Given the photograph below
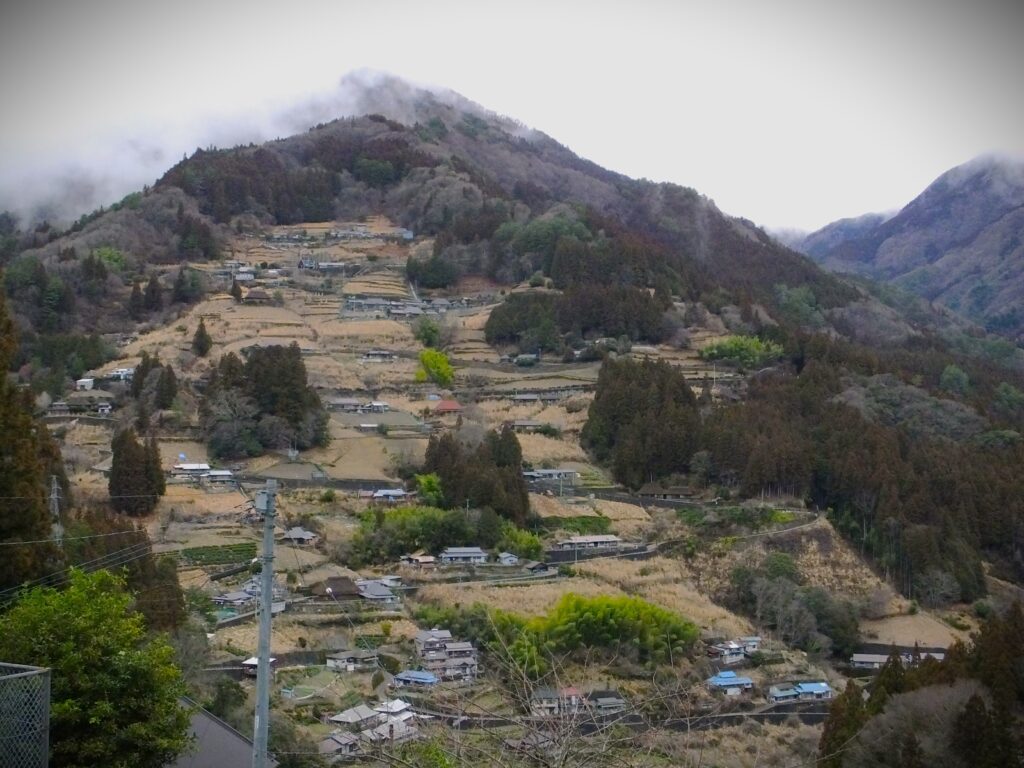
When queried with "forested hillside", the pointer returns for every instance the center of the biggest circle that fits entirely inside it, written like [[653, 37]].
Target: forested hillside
[[959, 243]]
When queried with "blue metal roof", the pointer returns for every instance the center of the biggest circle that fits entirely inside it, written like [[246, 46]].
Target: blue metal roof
[[729, 680], [813, 687], [416, 676]]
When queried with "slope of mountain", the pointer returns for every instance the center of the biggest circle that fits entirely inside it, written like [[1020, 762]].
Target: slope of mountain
[[960, 243]]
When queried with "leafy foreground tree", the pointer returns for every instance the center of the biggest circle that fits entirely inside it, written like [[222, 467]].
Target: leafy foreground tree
[[113, 692]]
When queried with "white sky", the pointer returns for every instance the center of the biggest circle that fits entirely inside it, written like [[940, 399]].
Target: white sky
[[791, 112]]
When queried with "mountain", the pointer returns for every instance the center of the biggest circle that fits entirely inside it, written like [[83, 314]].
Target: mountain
[[960, 243], [499, 199]]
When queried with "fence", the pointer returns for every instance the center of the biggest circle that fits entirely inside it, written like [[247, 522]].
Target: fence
[[24, 716]]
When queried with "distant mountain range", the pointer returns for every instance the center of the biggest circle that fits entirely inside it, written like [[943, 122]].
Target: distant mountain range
[[960, 243]]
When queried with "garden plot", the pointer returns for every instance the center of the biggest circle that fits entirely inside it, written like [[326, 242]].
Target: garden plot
[[538, 449], [666, 583], [533, 599], [921, 628]]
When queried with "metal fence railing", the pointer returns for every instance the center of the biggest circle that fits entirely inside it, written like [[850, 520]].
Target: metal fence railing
[[24, 716]]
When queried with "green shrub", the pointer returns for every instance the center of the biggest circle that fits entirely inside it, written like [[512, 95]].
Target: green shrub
[[744, 351]]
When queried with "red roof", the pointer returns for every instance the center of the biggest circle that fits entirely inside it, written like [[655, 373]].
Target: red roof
[[447, 406]]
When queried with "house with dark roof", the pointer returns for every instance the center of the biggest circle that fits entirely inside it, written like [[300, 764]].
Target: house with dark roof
[[339, 744], [300, 536], [548, 702], [353, 660]]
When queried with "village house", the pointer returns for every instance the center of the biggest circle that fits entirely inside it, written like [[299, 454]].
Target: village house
[[448, 659], [549, 702], [447, 408], [414, 678], [300, 537], [345, 404], [234, 599], [507, 558], [878, 660], [339, 744], [806, 691], [419, 558], [594, 541], [669, 493], [390, 495], [357, 717], [194, 470], [729, 683], [562, 474], [379, 356], [377, 593], [256, 296], [337, 588], [394, 711], [396, 732], [463, 556], [217, 476], [525, 426], [431, 640], [84, 400], [354, 660], [606, 702], [250, 666], [83, 385], [728, 653]]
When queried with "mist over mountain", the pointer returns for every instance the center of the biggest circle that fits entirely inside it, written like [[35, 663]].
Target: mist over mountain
[[60, 188], [960, 243]]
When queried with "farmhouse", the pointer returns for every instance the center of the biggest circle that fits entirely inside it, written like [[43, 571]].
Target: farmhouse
[[447, 658], [595, 541], [377, 593], [809, 691], [730, 683], [345, 404], [445, 407], [256, 296], [396, 732], [670, 493], [462, 555], [339, 744], [189, 470], [507, 558], [236, 599], [431, 640], [379, 356], [355, 660], [359, 715], [562, 474], [337, 588], [728, 653], [250, 665], [549, 702], [300, 536], [391, 495], [606, 702], [218, 476], [419, 558], [526, 426], [414, 678]]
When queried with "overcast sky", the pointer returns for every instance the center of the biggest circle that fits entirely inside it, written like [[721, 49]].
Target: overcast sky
[[791, 113]]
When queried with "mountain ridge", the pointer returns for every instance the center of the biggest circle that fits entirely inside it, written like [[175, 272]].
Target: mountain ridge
[[960, 243]]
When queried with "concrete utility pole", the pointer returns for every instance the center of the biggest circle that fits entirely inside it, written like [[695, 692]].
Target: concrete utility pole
[[262, 721], [57, 530]]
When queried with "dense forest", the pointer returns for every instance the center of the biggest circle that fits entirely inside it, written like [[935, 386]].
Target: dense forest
[[924, 506], [262, 402]]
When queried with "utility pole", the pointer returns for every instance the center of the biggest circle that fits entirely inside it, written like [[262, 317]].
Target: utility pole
[[57, 530], [262, 720]]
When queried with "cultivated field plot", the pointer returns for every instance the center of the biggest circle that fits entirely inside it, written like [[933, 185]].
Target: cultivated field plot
[[532, 599], [387, 284], [367, 333], [539, 449], [922, 628], [392, 418], [366, 457], [553, 506], [666, 583]]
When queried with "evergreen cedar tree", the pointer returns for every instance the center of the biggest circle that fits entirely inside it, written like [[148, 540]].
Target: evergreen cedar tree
[[201, 341], [30, 457], [235, 290], [153, 299], [263, 402], [136, 477], [489, 475], [136, 303], [115, 690]]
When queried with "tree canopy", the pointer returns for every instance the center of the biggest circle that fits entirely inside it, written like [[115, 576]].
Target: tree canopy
[[114, 690]]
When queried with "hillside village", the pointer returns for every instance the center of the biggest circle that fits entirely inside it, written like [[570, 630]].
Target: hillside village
[[359, 665]]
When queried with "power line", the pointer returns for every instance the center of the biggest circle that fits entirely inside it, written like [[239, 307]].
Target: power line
[[70, 538]]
